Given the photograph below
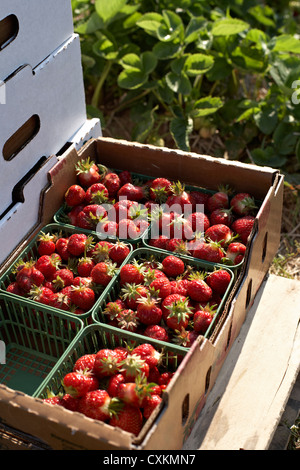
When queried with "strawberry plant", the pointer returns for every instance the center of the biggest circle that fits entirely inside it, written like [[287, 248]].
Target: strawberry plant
[[222, 73]]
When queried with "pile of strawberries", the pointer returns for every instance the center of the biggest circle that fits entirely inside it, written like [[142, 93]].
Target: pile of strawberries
[[120, 386], [210, 226], [69, 270], [168, 301]]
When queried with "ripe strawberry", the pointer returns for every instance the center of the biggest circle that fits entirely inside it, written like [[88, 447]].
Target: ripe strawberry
[[85, 266], [113, 384], [46, 244], [173, 266], [219, 200], [208, 251], [74, 195], [181, 228], [87, 172], [132, 273], [100, 252], [53, 400], [199, 221], [202, 319], [78, 384], [129, 419], [176, 245], [79, 243], [150, 404], [103, 272], [85, 363], [48, 265], [90, 216], [61, 246], [14, 288], [125, 177], [221, 216], [133, 393], [127, 229], [120, 210], [42, 294], [161, 287], [97, 404], [179, 286], [236, 252], [185, 338], [243, 227], [165, 378], [119, 252], [219, 233], [107, 363], [69, 402], [179, 199], [62, 278], [114, 309], [112, 182], [133, 366], [243, 204], [83, 297], [198, 289], [179, 312], [96, 194], [73, 213], [131, 292], [127, 320], [160, 189], [27, 277], [148, 312], [107, 227], [132, 192], [159, 242], [219, 280], [199, 200], [156, 332], [147, 352]]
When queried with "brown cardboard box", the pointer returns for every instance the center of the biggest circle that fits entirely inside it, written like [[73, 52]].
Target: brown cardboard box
[[194, 379]]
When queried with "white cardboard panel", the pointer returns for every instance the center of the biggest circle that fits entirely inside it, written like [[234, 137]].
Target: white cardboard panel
[[42, 27], [54, 91], [24, 216]]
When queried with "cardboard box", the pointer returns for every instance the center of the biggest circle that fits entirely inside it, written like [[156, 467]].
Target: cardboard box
[[31, 31], [187, 393], [44, 107]]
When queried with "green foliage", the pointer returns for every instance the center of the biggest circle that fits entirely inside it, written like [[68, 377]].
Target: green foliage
[[230, 65]]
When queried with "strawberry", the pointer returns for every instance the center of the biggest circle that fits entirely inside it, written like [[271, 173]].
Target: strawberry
[[61, 247], [69, 402], [208, 251], [179, 286], [85, 266], [28, 277], [131, 292], [46, 244], [160, 189], [219, 233], [132, 273], [179, 199], [112, 182], [147, 352], [148, 312], [181, 228], [96, 194], [202, 319], [79, 243], [73, 213], [62, 278], [100, 252], [113, 384], [243, 204], [83, 297], [179, 313], [235, 252], [161, 287], [219, 280], [103, 272], [176, 245], [97, 404], [74, 195], [185, 338], [125, 177], [150, 404], [243, 227], [42, 294], [129, 419], [173, 266], [127, 320], [107, 363], [87, 172], [133, 393], [85, 363], [120, 210], [159, 242], [199, 221], [198, 289], [221, 216], [90, 216], [219, 200], [107, 227], [133, 366], [156, 332], [14, 288], [48, 265], [119, 252], [113, 309], [199, 200], [132, 192], [78, 384], [127, 229]]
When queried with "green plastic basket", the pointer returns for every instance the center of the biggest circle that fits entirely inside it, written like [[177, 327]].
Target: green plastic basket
[[34, 341], [113, 291], [95, 337], [30, 252]]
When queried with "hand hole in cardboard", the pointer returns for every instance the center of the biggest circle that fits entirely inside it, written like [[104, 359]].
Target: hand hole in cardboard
[[185, 409], [264, 250], [21, 138], [207, 380], [249, 294], [9, 28]]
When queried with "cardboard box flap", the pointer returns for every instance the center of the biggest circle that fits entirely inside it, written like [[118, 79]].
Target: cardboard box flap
[[30, 31]]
